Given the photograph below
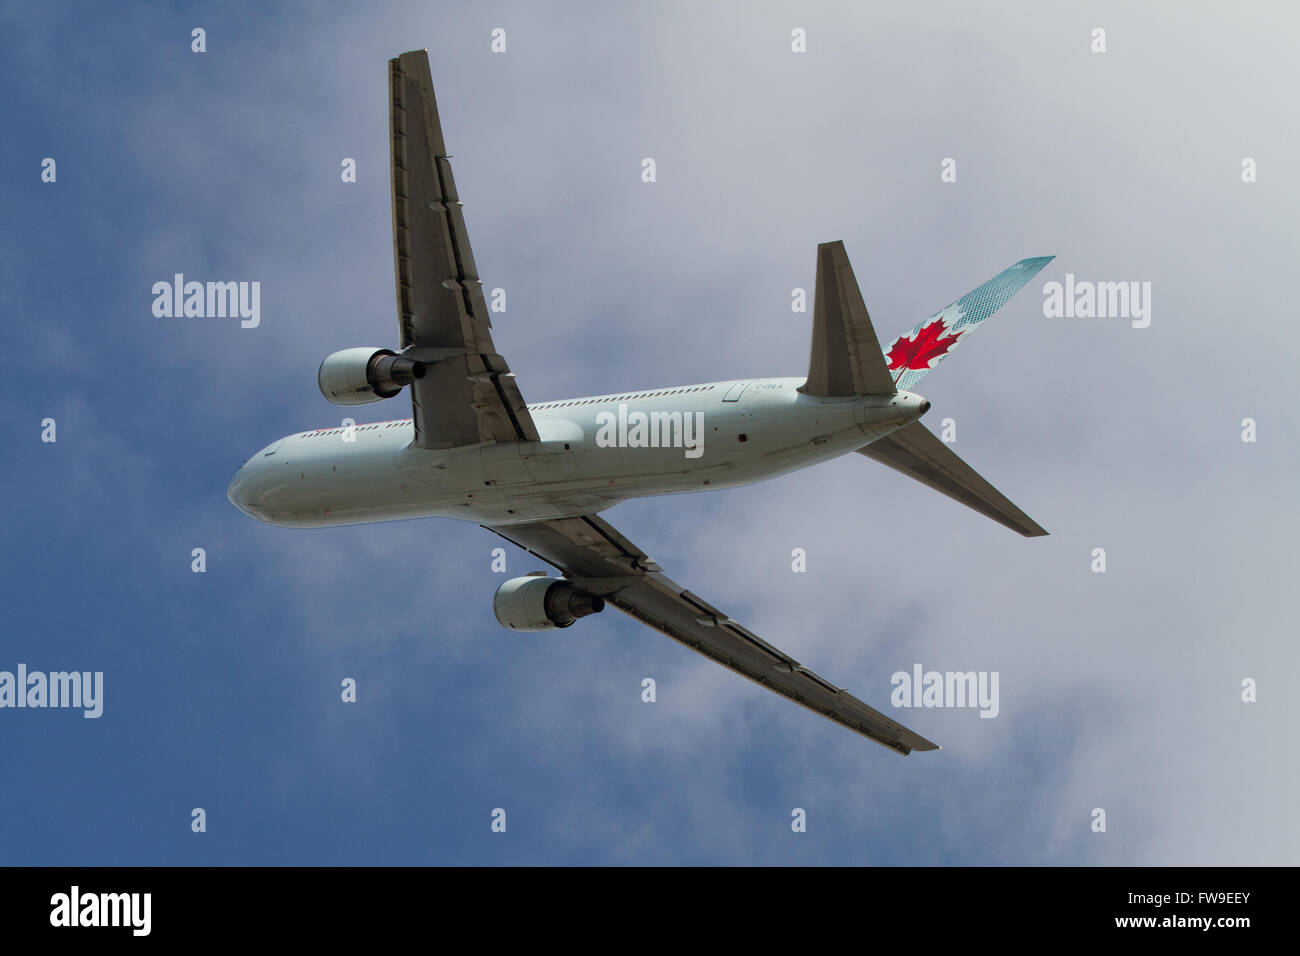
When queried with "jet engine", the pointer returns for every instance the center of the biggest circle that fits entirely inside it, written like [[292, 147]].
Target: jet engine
[[361, 376], [540, 603]]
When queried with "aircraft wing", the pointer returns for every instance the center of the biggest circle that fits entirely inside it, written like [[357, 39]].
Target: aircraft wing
[[595, 557], [468, 394]]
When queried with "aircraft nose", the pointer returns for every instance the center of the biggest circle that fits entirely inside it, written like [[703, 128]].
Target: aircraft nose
[[254, 488], [251, 489], [239, 493]]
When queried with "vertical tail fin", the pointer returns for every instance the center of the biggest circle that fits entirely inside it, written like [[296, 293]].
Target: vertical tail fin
[[912, 355]]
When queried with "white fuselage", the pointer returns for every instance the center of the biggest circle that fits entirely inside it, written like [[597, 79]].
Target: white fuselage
[[593, 453]]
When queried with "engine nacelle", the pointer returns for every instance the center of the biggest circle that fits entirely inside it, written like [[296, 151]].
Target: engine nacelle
[[361, 376], [538, 603]]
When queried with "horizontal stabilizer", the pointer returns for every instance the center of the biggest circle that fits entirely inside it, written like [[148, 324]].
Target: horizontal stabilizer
[[917, 453], [846, 355]]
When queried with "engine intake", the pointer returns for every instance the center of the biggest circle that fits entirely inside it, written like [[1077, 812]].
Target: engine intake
[[364, 375], [538, 603]]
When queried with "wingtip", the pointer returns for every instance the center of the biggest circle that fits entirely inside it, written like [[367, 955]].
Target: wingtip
[[925, 746]]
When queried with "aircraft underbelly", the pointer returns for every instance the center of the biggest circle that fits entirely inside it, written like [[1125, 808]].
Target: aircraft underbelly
[[759, 434]]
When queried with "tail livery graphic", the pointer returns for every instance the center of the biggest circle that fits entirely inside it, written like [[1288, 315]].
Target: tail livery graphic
[[912, 355]]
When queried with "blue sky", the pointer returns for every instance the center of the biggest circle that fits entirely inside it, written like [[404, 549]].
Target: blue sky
[[1119, 691]]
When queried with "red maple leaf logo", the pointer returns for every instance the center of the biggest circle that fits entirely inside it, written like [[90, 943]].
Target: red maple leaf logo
[[930, 343]]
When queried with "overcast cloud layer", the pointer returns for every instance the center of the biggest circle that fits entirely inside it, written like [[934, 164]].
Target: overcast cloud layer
[[1119, 691]]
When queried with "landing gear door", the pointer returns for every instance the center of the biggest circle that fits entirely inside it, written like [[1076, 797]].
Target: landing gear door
[[556, 456]]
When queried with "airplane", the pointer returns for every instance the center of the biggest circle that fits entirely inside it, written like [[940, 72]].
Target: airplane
[[539, 475]]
